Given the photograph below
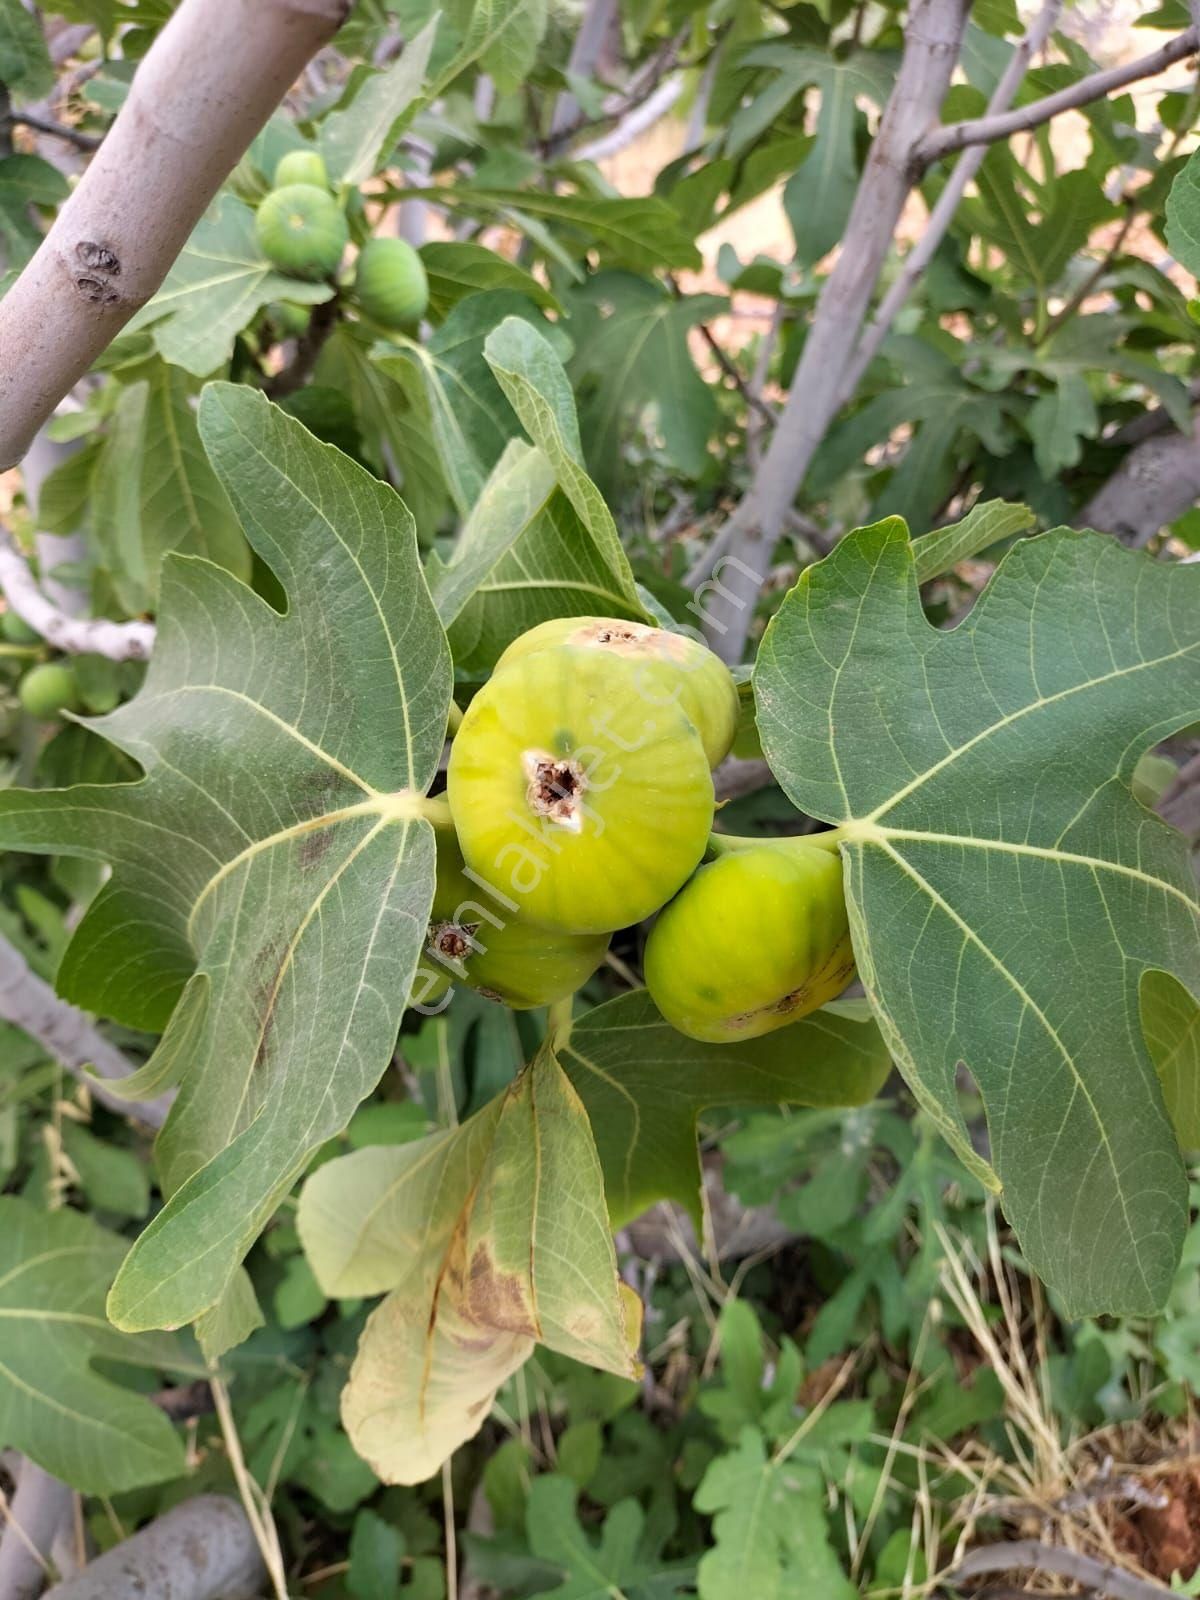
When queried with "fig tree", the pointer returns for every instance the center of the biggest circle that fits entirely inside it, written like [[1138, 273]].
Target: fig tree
[[48, 689], [301, 166], [667, 667], [390, 283], [476, 936], [576, 796], [757, 939], [301, 230]]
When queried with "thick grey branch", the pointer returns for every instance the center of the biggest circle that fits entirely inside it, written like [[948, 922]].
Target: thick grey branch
[[933, 39], [119, 641], [39, 1508], [1027, 1555], [209, 82], [922, 253], [990, 129], [1157, 481], [69, 1036], [202, 1550]]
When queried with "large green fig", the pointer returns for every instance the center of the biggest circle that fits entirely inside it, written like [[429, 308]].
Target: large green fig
[[667, 667], [477, 937], [48, 689], [757, 939], [301, 230], [390, 282], [301, 166], [585, 802]]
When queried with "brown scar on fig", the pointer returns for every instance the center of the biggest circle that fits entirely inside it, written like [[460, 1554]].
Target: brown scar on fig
[[554, 788], [630, 639]]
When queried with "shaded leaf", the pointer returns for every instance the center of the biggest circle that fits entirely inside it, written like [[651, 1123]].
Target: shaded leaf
[[1171, 1020], [25, 65], [769, 1528], [25, 181], [982, 778], [983, 526], [1183, 216], [55, 1268], [623, 1561], [501, 35], [458, 269], [276, 844], [644, 1085]]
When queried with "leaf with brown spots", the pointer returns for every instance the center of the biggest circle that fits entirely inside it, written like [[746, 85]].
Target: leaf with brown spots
[[491, 1238]]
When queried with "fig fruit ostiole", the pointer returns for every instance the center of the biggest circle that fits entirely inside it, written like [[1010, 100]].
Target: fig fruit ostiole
[[390, 283], [301, 231], [577, 796], [756, 939], [668, 667], [478, 938]]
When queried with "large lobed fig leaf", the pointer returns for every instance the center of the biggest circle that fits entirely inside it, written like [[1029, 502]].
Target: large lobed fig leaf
[[1008, 894], [274, 858]]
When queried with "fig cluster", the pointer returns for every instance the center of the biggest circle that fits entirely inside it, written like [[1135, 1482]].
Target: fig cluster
[[303, 230], [580, 787]]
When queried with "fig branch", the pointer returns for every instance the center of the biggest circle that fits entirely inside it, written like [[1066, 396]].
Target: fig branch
[[208, 83], [119, 641]]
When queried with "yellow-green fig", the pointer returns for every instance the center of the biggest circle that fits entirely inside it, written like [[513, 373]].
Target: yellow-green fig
[[48, 689], [390, 282], [301, 230], [757, 939], [667, 668], [301, 166], [586, 803], [476, 936]]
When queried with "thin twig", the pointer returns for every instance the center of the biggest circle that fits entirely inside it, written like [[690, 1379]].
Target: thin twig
[[57, 130], [989, 129], [917, 261], [258, 1512], [309, 345], [1028, 1555], [119, 641]]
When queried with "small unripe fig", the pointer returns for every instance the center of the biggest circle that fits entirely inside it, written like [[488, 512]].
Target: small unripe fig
[[301, 166], [667, 667], [290, 319], [301, 230], [47, 689], [477, 937], [390, 282], [757, 939], [16, 630], [584, 802]]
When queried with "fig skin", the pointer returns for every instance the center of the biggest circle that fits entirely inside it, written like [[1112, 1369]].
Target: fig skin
[[49, 689], [390, 283], [301, 166], [757, 939], [476, 938], [666, 666], [301, 231], [575, 796]]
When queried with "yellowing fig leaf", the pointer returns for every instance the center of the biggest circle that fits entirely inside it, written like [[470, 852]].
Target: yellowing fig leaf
[[276, 850], [1007, 892], [491, 1238]]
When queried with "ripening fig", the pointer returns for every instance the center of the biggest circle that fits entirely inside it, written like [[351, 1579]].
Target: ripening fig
[[477, 937], [390, 282], [666, 666], [757, 939], [301, 230], [290, 320], [574, 795], [301, 166], [47, 689]]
